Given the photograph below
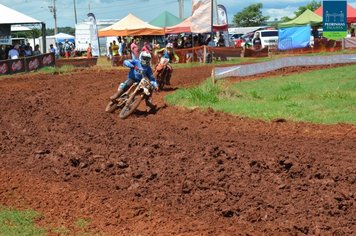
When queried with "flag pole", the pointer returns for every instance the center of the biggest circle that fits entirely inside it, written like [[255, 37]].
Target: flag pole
[[212, 20]]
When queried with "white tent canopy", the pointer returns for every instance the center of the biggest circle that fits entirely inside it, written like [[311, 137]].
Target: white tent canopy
[[61, 37], [11, 16]]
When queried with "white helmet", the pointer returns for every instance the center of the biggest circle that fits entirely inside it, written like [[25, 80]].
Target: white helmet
[[145, 58]]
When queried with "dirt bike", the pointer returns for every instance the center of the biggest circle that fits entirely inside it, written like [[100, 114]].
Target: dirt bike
[[161, 72], [131, 99]]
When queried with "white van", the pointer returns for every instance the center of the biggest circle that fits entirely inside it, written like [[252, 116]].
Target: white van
[[268, 37]]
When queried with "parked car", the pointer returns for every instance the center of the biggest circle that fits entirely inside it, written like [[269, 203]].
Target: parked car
[[235, 36], [268, 37]]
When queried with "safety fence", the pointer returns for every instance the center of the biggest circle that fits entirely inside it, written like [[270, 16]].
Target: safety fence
[[204, 54], [26, 64], [263, 67]]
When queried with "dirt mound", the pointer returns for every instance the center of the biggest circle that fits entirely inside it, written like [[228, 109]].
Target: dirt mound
[[177, 172]]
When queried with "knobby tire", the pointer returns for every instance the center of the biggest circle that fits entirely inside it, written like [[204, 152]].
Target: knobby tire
[[131, 105]]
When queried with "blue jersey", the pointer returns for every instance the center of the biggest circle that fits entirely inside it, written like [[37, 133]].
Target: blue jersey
[[135, 75]]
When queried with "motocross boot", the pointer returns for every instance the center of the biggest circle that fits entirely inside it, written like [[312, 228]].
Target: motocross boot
[[151, 108], [116, 95], [168, 78]]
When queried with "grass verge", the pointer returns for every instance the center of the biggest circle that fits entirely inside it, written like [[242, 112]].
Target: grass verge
[[323, 96], [14, 222]]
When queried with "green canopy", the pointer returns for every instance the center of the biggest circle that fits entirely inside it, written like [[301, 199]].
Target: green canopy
[[306, 18], [165, 19]]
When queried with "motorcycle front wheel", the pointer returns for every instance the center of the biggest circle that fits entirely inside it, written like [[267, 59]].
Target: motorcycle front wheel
[[131, 105], [111, 107]]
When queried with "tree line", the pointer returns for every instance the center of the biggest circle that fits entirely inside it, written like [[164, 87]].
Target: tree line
[[252, 15]]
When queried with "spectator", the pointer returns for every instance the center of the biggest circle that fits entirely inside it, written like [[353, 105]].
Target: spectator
[[37, 50], [256, 42], [146, 47], [221, 41], [67, 49], [120, 46], [115, 53], [124, 47], [134, 50], [352, 32], [110, 51], [315, 32], [27, 51], [89, 51], [14, 53]]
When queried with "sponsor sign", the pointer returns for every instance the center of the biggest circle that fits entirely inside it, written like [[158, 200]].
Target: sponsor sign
[[94, 35], [17, 66], [334, 19], [37, 62], [26, 64], [4, 68]]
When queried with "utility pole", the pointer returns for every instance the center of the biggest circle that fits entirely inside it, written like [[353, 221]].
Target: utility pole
[[75, 12], [53, 10], [181, 9]]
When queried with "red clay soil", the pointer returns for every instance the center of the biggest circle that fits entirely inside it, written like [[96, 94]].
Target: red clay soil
[[176, 172]]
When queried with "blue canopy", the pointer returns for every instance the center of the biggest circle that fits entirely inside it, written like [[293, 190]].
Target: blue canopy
[[294, 37]]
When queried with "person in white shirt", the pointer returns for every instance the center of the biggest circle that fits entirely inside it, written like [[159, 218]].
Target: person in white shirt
[[14, 53]]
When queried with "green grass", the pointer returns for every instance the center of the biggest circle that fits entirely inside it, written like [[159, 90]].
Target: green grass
[[14, 222], [324, 96], [59, 70]]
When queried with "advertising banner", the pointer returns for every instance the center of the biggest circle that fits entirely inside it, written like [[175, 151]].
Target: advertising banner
[[94, 35], [26, 64], [201, 16], [5, 34], [334, 19], [4, 68], [37, 62], [222, 15], [16, 66], [48, 59]]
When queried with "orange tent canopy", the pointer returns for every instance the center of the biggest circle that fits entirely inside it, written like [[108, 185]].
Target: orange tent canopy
[[183, 27], [351, 13], [130, 26]]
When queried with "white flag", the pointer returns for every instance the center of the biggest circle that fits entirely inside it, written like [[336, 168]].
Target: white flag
[[201, 16], [93, 35]]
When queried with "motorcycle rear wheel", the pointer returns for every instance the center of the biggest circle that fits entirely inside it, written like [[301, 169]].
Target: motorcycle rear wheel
[[131, 106]]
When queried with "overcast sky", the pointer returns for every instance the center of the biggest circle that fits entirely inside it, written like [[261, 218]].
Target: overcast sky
[[144, 9]]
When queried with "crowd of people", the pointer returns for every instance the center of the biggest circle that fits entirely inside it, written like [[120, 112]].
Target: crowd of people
[[18, 51], [130, 47]]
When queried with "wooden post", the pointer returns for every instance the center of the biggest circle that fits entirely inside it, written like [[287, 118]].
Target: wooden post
[[204, 54], [213, 75]]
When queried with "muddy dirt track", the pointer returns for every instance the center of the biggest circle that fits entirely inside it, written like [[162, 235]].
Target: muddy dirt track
[[176, 172]]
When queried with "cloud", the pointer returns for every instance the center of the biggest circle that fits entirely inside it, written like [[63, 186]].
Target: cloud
[[279, 13]]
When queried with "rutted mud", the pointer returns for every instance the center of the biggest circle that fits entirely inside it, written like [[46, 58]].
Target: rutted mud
[[176, 172]]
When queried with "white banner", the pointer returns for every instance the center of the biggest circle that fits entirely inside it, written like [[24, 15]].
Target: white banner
[[201, 16], [222, 15], [93, 35]]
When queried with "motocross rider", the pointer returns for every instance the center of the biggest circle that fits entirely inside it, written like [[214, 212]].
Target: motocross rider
[[169, 53], [137, 67]]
